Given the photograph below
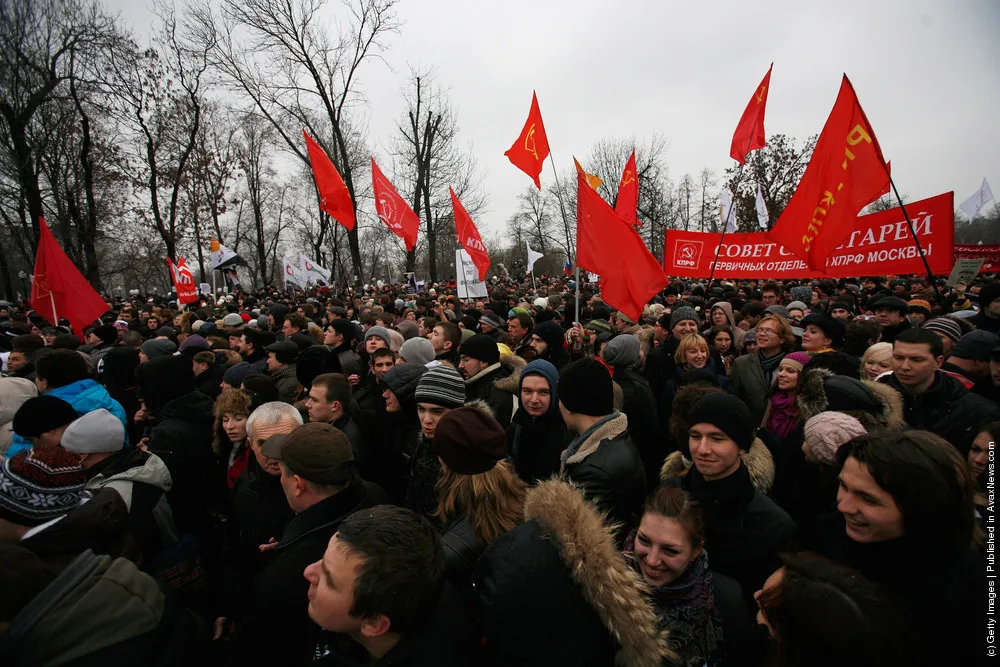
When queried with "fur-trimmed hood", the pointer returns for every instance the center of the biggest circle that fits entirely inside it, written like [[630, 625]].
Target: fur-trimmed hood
[[758, 461], [512, 382], [482, 406], [873, 404], [587, 546], [606, 430]]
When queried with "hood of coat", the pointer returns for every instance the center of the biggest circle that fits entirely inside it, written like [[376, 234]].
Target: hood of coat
[[546, 370], [135, 465], [886, 404], [111, 604], [587, 546], [758, 461], [510, 381], [591, 439], [13, 394]]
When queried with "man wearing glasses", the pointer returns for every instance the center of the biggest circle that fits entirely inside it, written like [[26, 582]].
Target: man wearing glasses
[[753, 373]]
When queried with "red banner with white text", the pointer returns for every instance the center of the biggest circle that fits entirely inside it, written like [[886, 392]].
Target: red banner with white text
[[990, 252], [880, 245]]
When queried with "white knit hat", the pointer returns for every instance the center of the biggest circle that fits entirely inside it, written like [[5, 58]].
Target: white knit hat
[[827, 431], [97, 432]]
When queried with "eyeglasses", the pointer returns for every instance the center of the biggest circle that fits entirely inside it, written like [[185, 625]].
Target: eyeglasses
[[767, 332]]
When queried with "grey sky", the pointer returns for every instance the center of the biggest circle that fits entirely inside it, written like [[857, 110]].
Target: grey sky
[[927, 73]]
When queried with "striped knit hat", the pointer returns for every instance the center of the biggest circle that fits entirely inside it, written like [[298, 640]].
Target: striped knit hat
[[39, 485], [441, 385]]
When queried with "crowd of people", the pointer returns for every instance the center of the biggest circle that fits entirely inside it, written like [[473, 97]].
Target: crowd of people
[[749, 473]]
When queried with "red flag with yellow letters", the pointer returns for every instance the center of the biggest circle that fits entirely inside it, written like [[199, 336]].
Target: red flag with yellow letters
[[469, 236], [846, 172], [627, 204], [532, 146], [749, 133]]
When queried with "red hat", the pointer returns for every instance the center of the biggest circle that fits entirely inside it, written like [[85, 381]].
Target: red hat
[[245, 317]]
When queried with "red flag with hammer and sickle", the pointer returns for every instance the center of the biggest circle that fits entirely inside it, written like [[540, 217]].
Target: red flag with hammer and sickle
[[393, 209], [627, 204], [749, 135], [532, 146]]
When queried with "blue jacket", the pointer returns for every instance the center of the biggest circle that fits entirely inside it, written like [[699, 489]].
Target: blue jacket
[[85, 396]]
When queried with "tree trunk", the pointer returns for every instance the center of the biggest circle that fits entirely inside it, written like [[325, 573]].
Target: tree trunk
[[26, 174], [88, 231]]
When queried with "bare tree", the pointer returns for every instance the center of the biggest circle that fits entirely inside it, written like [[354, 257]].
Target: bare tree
[[777, 168]]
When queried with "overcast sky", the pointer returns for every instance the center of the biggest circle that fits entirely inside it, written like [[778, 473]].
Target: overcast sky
[[927, 73]]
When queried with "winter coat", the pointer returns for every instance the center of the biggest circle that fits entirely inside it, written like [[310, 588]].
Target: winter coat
[[883, 409], [555, 591], [370, 405], [644, 426], [750, 384], [738, 333], [744, 529], [673, 383], [535, 443], [660, 365], [14, 392], [606, 464], [142, 480], [363, 456], [118, 377], [85, 396], [210, 382], [348, 360], [103, 612], [981, 321], [461, 552], [497, 386], [947, 408], [424, 470], [181, 435], [286, 383], [278, 603], [889, 333]]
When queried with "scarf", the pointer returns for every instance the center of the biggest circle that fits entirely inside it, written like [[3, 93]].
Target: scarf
[[769, 365], [784, 414], [686, 607]]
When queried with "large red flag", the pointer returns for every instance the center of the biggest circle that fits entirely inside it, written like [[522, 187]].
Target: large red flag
[[610, 247], [394, 210], [58, 289], [846, 172], [627, 204], [334, 198], [187, 291], [749, 133], [469, 237], [532, 146]]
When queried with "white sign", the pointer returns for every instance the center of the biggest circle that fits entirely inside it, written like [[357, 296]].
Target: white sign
[[205, 288], [469, 284], [965, 270]]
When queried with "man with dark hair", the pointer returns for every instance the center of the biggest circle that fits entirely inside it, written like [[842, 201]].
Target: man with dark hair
[[293, 324], [340, 337], [446, 337], [752, 313], [329, 402], [354, 591], [322, 488], [24, 349], [488, 377], [770, 295], [425, 325], [988, 317], [102, 337], [253, 348], [933, 400], [890, 313], [281, 358]]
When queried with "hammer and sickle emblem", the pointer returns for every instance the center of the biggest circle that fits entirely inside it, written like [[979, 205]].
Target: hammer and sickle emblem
[[629, 177], [529, 141], [760, 94]]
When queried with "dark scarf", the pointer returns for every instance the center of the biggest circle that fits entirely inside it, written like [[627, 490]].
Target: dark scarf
[[722, 498], [769, 365], [686, 607]]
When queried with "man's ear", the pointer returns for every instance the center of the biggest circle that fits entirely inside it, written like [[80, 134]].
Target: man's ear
[[300, 485], [375, 626]]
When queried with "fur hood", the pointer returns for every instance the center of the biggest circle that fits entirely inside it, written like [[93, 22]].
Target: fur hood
[[759, 463], [482, 406], [512, 382], [886, 405], [612, 428], [587, 546]]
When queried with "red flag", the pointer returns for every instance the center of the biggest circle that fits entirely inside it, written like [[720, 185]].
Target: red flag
[[610, 247], [749, 133], [627, 204], [58, 289], [888, 185], [469, 237], [334, 197], [187, 291], [394, 210], [532, 146], [845, 173]]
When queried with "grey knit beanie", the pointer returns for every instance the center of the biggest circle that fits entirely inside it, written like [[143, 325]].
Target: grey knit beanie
[[681, 314], [621, 351]]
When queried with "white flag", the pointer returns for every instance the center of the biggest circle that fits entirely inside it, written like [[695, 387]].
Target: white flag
[[313, 271], [294, 275], [762, 217], [532, 257], [727, 211], [221, 255], [974, 204]]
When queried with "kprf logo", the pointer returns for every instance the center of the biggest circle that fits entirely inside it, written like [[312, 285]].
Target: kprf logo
[[687, 254]]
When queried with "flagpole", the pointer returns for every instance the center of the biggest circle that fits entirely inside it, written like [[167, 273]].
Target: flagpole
[[532, 272], [732, 208], [562, 208], [55, 315], [913, 233]]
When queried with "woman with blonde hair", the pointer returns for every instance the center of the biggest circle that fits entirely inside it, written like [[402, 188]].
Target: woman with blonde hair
[[693, 363], [876, 360], [480, 497]]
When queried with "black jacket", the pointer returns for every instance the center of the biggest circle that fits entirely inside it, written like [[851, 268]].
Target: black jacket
[[981, 321], [349, 362], [643, 424], [535, 443], [363, 457], [461, 553], [496, 386], [424, 470], [948, 409], [278, 607], [889, 333]]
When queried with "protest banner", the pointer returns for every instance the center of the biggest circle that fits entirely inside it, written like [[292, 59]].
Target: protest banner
[[988, 252], [880, 244], [965, 270], [469, 284]]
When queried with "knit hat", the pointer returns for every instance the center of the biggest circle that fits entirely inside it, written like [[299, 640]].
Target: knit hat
[[381, 332], [920, 306], [408, 329], [683, 313], [402, 380], [236, 373], [192, 345], [466, 335], [441, 385], [42, 414], [802, 293], [232, 320], [621, 351], [550, 332], [585, 387], [158, 347], [976, 345], [469, 441], [827, 431], [107, 333], [988, 294], [39, 485], [492, 319], [96, 432], [797, 359], [833, 328], [946, 326], [778, 310], [727, 413], [417, 351], [169, 332], [482, 348], [797, 304]]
